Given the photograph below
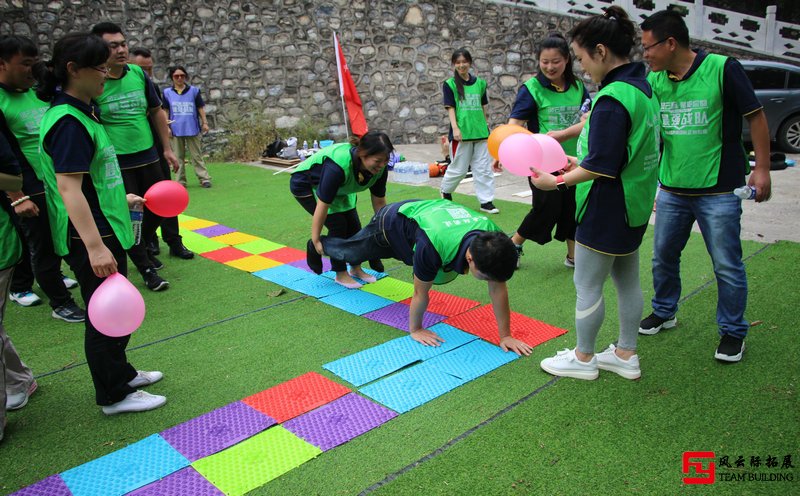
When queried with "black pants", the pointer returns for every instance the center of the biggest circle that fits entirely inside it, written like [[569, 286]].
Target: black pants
[[137, 181], [340, 225], [39, 260], [549, 209], [169, 225], [105, 355]]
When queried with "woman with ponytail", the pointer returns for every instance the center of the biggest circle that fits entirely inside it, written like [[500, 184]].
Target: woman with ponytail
[[88, 207], [465, 100], [616, 175]]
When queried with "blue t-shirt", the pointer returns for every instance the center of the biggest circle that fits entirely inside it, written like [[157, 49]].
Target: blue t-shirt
[[450, 99], [738, 100], [72, 150], [525, 107], [604, 227], [328, 177]]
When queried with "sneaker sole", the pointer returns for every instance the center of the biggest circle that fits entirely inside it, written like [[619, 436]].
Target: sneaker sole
[[495, 211], [135, 410], [668, 324], [67, 319], [18, 302], [626, 373], [729, 358], [161, 286], [586, 376]]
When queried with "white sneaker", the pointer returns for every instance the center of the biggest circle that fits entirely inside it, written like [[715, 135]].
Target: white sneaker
[[25, 298], [18, 400], [69, 282], [139, 401], [609, 360], [144, 378], [566, 364]]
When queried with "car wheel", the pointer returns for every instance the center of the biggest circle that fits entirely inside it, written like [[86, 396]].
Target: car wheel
[[789, 135]]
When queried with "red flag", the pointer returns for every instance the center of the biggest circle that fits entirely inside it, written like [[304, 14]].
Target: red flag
[[347, 90]]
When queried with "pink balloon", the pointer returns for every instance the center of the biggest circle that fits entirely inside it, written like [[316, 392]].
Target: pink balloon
[[116, 308], [553, 156], [519, 152], [166, 198]]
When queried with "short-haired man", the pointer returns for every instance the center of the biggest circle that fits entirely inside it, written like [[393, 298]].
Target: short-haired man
[[703, 98], [440, 240]]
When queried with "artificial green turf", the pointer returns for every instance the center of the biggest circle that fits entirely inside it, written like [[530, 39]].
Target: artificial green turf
[[233, 338]]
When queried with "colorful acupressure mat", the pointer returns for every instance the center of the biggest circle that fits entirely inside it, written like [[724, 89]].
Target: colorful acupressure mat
[[245, 444]]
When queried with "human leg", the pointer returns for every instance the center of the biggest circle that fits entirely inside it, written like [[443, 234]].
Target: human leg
[[482, 172], [368, 243], [17, 378], [461, 154], [136, 181], [195, 151], [179, 147]]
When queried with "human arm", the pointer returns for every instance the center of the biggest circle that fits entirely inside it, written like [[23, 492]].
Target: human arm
[[378, 202], [158, 119], [566, 134], [451, 114], [419, 303], [498, 293], [759, 134], [547, 182], [317, 221], [203, 121]]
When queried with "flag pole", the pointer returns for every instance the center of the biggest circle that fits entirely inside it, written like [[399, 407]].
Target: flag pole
[[341, 83]]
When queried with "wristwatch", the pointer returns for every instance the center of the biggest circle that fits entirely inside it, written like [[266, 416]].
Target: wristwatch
[[560, 184]]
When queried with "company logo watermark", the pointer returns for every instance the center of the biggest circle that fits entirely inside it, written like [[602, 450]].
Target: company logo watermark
[[704, 467]]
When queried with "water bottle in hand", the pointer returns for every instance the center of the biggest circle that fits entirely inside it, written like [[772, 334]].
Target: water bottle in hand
[[137, 213], [587, 104], [745, 192]]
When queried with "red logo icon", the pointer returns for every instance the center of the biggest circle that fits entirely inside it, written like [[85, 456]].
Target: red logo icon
[[693, 460]]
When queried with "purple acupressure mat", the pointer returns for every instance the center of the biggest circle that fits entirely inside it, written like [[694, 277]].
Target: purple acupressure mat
[[51, 486], [339, 421], [396, 315], [301, 264], [216, 430], [216, 230], [181, 483]]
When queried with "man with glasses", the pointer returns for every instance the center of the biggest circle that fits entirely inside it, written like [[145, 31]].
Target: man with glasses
[[703, 98], [128, 106]]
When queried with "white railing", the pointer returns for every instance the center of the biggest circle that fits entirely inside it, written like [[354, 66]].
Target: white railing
[[764, 35]]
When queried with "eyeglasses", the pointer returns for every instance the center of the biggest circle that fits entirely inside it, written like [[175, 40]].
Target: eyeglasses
[[178, 76], [104, 70], [646, 49]]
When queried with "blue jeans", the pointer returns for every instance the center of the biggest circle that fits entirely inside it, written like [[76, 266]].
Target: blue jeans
[[370, 243], [719, 219]]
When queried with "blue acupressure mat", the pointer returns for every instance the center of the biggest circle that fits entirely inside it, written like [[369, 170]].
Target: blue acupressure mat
[[374, 273], [472, 360], [356, 302], [316, 286], [411, 388], [282, 274], [125, 470]]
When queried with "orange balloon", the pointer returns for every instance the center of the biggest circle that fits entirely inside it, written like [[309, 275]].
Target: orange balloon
[[500, 133]]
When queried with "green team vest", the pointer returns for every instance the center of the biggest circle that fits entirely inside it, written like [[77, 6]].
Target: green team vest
[[104, 172], [123, 111], [691, 125], [23, 112], [10, 246], [469, 111], [640, 173], [445, 223], [346, 196], [557, 110]]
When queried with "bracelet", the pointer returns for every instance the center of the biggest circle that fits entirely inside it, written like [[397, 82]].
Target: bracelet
[[17, 202]]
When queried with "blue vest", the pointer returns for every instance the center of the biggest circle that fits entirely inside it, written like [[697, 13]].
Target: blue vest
[[183, 111]]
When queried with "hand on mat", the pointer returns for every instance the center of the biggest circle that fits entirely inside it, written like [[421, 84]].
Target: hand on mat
[[510, 344], [426, 337]]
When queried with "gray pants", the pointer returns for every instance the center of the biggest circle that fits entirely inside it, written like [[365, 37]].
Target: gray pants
[[179, 146], [591, 271], [16, 376]]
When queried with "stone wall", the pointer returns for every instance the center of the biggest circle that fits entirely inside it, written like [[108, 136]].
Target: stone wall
[[275, 59]]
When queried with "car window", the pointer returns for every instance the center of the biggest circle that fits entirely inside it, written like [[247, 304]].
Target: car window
[[794, 80], [767, 79]]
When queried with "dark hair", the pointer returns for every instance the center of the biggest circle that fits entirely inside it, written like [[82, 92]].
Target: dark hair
[[82, 49], [171, 70], [668, 24], [460, 82], [558, 42], [12, 44], [142, 52], [494, 254], [374, 143], [613, 29], [102, 28]]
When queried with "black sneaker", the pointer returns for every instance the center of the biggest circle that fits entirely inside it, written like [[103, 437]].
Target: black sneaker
[[180, 251], [156, 262], [69, 312], [205, 184], [730, 349], [447, 196], [653, 323], [154, 281], [519, 254], [313, 259], [489, 208], [153, 247]]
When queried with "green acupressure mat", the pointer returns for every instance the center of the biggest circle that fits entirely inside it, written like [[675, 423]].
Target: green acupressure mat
[[391, 288], [199, 243], [259, 246]]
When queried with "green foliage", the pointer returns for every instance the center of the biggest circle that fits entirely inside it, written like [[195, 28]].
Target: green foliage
[[248, 135]]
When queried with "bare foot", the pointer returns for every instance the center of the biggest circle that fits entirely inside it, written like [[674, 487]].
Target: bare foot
[[345, 280]]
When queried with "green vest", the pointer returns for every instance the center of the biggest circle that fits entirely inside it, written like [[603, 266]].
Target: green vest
[[469, 111], [23, 112], [691, 125], [639, 175], [123, 111], [10, 245], [340, 154], [104, 172], [557, 110], [445, 223]]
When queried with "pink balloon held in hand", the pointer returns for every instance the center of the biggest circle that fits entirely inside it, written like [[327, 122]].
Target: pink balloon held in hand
[[166, 198], [519, 152], [116, 308], [553, 157]]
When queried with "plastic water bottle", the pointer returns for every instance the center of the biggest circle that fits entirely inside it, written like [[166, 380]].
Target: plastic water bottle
[[745, 192], [305, 145], [585, 106], [419, 173], [315, 146], [137, 213], [401, 172]]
